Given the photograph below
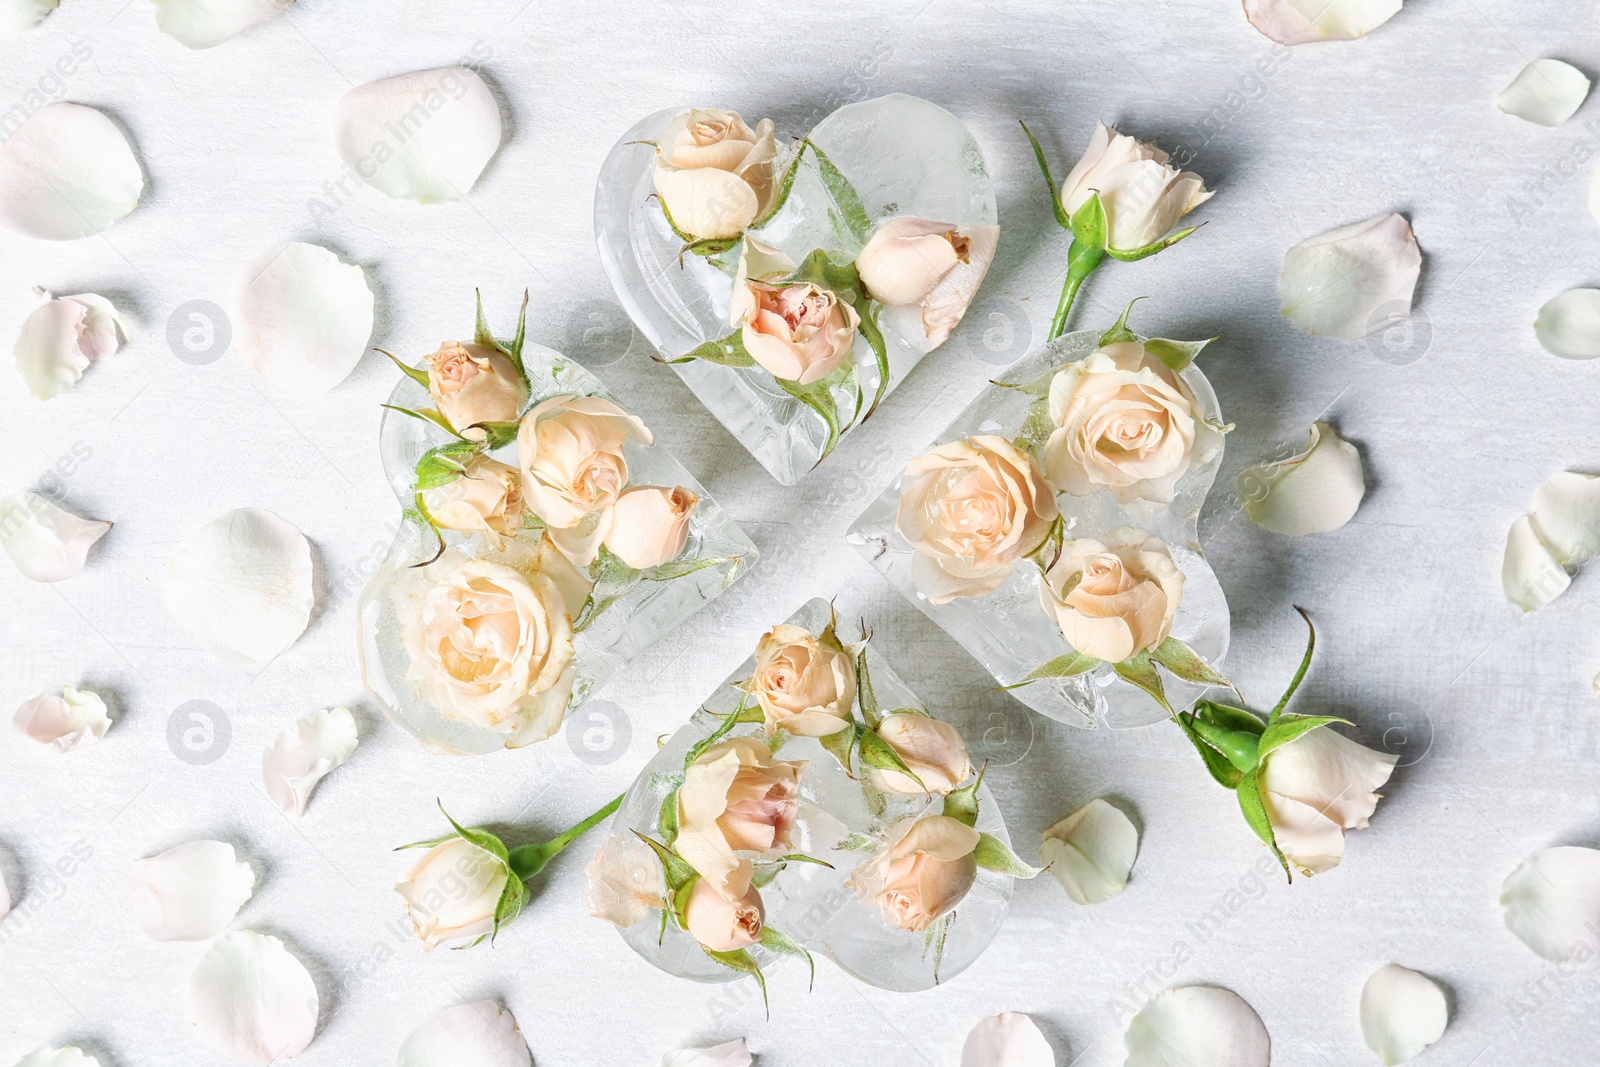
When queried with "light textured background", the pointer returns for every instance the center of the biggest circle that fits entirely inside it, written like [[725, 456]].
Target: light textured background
[[1493, 716]]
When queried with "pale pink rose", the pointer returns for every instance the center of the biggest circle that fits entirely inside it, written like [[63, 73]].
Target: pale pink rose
[[724, 925], [470, 384], [926, 273], [931, 749], [1143, 195], [804, 685], [735, 799], [570, 449], [486, 498], [800, 333], [1113, 601], [649, 524], [625, 882], [970, 509], [62, 336], [714, 173], [924, 874], [1314, 789], [452, 891]]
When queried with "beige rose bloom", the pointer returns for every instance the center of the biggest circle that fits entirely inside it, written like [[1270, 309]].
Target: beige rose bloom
[[486, 499], [1125, 422], [470, 384], [735, 798], [1114, 601], [1143, 195], [714, 173], [924, 874], [452, 891], [804, 686], [724, 925], [931, 749], [932, 268], [800, 333], [649, 524], [970, 509], [570, 449], [1314, 789]]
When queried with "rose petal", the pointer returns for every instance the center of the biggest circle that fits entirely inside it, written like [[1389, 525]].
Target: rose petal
[[1091, 852], [304, 317], [1314, 492], [207, 23], [1306, 21], [1569, 325], [1350, 281], [424, 136], [1402, 1013], [249, 999], [1546, 92], [241, 585], [728, 1054], [1566, 516], [1197, 1026], [69, 1056], [1531, 575], [46, 543], [300, 756], [1552, 902], [480, 1034], [62, 336], [190, 892], [67, 172], [1009, 1039], [19, 16], [75, 718]]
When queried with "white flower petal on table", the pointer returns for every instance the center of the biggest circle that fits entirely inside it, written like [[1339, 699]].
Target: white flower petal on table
[[1308, 21], [70, 1056], [297, 760], [67, 172], [1531, 575], [241, 585], [76, 718], [46, 543], [1569, 325], [19, 16], [1402, 1013], [424, 136], [479, 1034], [1546, 92], [1566, 516], [1009, 1039], [303, 318], [249, 999], [1352, 280], [728, 1054], [61, 337], [1552, 901], [1197, 1026], [1314, 492], [1091, 852], [207, 23], [190, 892]]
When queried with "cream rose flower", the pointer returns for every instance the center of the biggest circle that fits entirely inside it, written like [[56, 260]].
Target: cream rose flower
[[714, 173], [932, 268], [924, 874], [571, 450], [1125, 422], [492, 646], [724, 925], [649, 525], [1314, 789], [452, 891], [486, 498], [735, 798], [970, 509], [804, 685], [470, 384], [800, 333], [1143, 195], [1113, 601], [931, 749]]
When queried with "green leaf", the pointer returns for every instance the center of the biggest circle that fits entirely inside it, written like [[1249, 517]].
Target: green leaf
[[1287, 728], [1089, 224], [1037, 426], [416, 374], [443, 465], [785, 185], [865, 696], [1240, 747], [839, 743], [1049, 183], [426, 415], [844, 196], [773, 941], [1255, 815], [678, 568], [1067, 666], [744, 963], [858, 843], [767, 870], [669, 817], [513, 896], [1305, 665], [674, 867], [729, 721], [874, 337], [1186, 663], [876, 752], [819, 269], [962, 804], [819, 398], [1151, 249], [993, 854], [1229, 718], [1142, 672], [1175, 354], [724, 351], [1223, 772]]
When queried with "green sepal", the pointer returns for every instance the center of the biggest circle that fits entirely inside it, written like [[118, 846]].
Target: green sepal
[[1067, 666], [773, 941], [707, 247], [481, 334], [743, 962], [1175, 354], [521, 336], [443, 465], [858, 843], [1187, 664], [785, 185], [876, 752], [726, 351], [844, 196], [514, 894], [993, 854], [819, 269], [1062, 219], [416, 374], [880, 352], [962, 804], [1228, 717], [1049, 547], [668, 818], [1255, 815], [686, 238], [674, 868], [1305, 665], [818, 396], [767, 870], [1119, 331], [426, 415], [1241, 748], [1287, 728], [1142, 672], [1152, 248], [494, 434], [729, 721], [839, 743], [1089, 224], [1222, 772], [866, 696]]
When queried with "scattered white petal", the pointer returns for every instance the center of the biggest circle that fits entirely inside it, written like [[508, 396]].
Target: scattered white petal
[[728, 1054], [304, 318], [190, 892], [1531, 575], [71, 1056], [67, 172], [75, 718], [1552, 902], [249, 999], [1091, 852], [46, 543], [480, 1034], [1307, 21], [207, 23], [19, 16], [1197, 1026], [1569, 325], [424, 136], [1353, 280], [1547, 92], [1009, 1039], [60, 338], [1402, 1013], [303, 753], [1566, 516], [241, 585], [1314, 492]]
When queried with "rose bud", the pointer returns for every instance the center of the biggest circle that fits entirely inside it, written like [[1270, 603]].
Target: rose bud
[[735, 798], [470, 384], [62, 336], [1113, 602], [907, 256], [486, 498], [650, 525], [1314, 789], [926, 873], [931, 749], [1144, 197], [804, 686], [723, 925], [800, 333], [452, 892], [714, 173]]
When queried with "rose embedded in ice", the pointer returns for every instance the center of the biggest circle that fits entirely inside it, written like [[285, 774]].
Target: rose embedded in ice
[[713, 172]]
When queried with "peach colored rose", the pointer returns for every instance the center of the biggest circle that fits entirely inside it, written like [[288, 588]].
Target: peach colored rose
[[1113, 601], [805, 686], [714, 173], [649, 525], [970, 509], [931, 268], [470, 384], [800, 333], [924, 874], [452, 891], [931, 749], [574, 467], [486, 498], [724, 925], [735, 799], [1143, 195]]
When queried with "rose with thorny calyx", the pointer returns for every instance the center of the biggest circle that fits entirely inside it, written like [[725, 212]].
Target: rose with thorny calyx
[[805, 685], [800, 332], [472, 384], [1144, 196], [1113, 601], [931, 749], [713, 173]]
